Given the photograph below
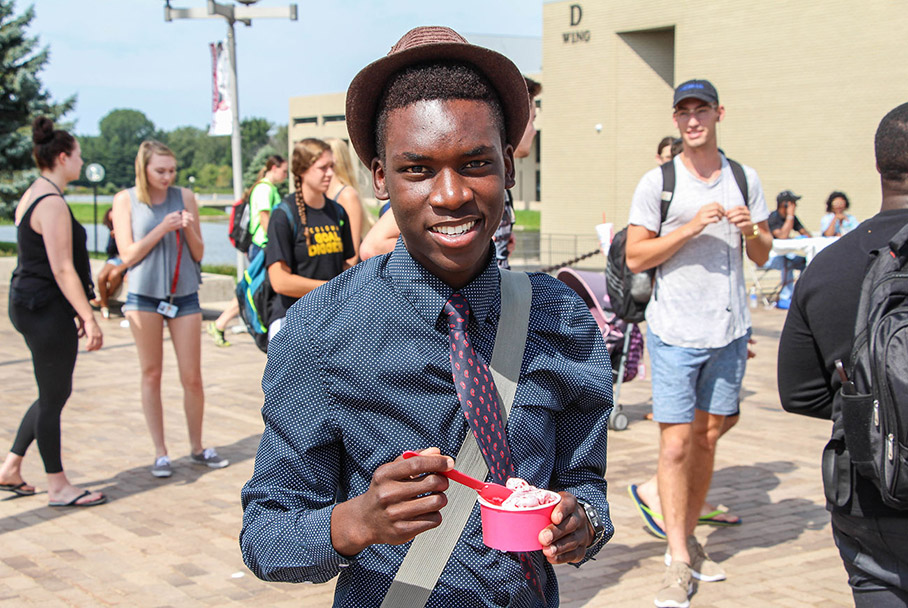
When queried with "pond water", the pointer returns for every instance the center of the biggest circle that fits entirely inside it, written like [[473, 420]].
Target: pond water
[[218, 249]]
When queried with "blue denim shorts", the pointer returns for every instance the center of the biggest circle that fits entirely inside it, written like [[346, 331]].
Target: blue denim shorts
[[687, 379], [186, 305]]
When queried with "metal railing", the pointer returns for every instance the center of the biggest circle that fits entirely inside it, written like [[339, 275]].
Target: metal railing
[[537, 252]]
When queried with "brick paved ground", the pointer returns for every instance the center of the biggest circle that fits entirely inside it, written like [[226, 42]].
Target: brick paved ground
[[173, 542]]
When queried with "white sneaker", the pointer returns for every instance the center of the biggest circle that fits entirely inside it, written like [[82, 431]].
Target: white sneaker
[[702, 567], [209, 458], [162, 467]]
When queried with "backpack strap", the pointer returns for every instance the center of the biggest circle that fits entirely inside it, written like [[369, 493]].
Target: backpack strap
[[668, 187], [738, 171], [285, 207], [430, 551]]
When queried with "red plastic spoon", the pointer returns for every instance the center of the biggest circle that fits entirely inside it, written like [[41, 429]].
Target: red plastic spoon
[[491, 492]]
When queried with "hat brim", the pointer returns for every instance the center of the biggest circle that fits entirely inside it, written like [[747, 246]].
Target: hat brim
[[696, 95], [366, 88]]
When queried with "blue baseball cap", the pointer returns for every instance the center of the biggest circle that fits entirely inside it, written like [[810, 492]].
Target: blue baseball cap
[[696, 89]]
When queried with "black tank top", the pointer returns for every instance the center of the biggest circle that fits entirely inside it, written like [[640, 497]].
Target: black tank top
[[33, 284]]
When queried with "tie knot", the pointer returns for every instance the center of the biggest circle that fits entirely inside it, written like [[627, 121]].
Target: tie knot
[[458, 310]]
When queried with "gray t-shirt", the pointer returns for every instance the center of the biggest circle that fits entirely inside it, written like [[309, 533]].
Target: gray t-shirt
[[699, 300]]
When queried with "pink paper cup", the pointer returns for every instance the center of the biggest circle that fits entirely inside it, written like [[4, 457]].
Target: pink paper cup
[[509, 530]]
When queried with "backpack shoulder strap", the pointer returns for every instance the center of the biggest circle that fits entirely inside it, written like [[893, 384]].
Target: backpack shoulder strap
[[740, 178], [291, 217], [668, 186], [430, 551]]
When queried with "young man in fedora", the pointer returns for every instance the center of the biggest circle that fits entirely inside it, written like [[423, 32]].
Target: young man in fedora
[[365, 367]]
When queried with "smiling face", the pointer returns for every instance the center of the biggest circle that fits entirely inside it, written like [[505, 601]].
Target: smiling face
[[161, 171], [696, 121], [445, 170]]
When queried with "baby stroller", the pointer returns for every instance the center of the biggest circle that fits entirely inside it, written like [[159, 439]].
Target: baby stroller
[[623, 340]]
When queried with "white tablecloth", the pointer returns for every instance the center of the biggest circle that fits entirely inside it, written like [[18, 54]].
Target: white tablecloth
[[809, 247]]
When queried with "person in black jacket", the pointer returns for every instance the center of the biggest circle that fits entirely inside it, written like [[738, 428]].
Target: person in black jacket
[[872, 538]]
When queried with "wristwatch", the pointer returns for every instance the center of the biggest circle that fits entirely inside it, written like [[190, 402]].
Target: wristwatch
[[595, 521], [756, 233]]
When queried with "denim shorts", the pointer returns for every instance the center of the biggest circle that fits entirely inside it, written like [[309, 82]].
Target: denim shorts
[[687, 379], [186, 305]]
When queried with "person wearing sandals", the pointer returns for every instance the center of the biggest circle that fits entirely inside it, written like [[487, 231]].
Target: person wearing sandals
[[51, 286], [159, 238]]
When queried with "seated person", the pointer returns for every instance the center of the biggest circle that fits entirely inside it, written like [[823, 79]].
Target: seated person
[[110, 278], [836, 222], [784, 224]]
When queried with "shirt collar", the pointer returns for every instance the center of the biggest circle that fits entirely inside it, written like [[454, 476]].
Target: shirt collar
[[428, 294]]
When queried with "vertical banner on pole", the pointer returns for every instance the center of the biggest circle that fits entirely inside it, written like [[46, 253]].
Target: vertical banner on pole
[[221, 116]]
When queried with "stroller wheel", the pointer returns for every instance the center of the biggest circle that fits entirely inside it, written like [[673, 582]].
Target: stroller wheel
[[618, 421]]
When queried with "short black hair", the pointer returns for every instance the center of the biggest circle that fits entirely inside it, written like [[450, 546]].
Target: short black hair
[[442, 80], [891, 145], [834, 195]]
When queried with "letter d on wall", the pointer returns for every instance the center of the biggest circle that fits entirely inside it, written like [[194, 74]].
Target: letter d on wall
[[576, 15]]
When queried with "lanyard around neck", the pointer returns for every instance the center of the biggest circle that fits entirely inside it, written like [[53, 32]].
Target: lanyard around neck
[[176, 270]]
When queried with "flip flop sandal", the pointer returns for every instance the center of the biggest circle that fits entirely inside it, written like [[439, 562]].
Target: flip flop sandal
[[74, 502], [17, 489], [649, 516], [710, 518]]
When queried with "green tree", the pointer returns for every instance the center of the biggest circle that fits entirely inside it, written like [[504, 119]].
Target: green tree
[[253, 135], [22, 98], [252, 170]]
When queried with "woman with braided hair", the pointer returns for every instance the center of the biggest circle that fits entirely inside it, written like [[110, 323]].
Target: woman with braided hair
[[309, 238]]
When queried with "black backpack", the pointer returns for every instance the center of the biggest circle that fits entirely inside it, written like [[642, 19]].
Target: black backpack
[[873, 406], [238, 226], [630, 292]]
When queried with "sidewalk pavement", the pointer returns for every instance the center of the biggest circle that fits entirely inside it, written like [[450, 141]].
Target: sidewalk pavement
[[173, 542]]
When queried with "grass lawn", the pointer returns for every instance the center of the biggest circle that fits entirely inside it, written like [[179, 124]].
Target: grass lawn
[[85, 213], [527, 219]]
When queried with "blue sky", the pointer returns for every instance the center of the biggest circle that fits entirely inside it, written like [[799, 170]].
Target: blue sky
[[122, 54]]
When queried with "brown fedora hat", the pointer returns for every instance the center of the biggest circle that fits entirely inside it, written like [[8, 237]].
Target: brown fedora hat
[[433, 43]]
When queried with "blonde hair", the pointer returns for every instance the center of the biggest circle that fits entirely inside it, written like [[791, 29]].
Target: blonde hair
[[305, 154], [345, 173], [343, 165], [148, 148]]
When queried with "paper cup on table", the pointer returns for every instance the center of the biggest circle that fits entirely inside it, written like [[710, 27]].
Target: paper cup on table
[[514, 530]]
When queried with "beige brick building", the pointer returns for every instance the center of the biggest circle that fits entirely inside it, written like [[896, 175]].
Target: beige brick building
[[804, 85]]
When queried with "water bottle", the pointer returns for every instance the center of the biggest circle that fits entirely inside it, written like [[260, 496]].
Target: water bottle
[[752, 298]]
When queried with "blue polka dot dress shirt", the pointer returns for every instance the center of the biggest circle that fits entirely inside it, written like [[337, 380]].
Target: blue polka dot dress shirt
[[360, 373]]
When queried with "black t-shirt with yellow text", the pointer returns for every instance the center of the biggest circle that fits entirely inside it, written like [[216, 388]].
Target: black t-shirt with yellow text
[[331, 244]]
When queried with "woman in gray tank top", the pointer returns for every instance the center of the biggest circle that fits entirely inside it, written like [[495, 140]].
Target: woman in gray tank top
[[159, 238]]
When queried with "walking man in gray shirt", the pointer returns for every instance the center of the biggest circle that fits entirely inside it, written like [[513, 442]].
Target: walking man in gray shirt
[[698, 322]]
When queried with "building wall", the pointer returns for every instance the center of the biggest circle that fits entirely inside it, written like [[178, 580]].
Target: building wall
[[804, 85], [318, 116]]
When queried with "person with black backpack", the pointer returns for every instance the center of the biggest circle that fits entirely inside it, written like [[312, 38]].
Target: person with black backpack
[[697, 319], [855, 289]]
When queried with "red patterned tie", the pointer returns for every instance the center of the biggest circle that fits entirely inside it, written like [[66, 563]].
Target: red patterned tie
[[480, 404]]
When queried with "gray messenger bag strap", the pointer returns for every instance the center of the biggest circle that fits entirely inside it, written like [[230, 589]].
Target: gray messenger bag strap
[[431, 550]]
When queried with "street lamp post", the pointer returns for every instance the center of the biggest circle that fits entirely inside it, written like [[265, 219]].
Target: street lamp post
[[232, 14], [95, 173]]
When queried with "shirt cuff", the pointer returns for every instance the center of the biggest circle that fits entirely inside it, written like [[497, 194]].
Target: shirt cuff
[[320, 546]]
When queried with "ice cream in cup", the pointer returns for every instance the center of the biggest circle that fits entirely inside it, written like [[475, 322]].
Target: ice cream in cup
[[515, 524]]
